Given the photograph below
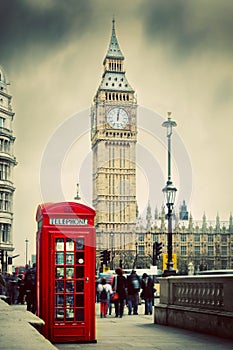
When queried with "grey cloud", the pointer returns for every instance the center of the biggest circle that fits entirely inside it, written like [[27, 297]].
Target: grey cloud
[[224, 92], [25, 25], [190, 25]]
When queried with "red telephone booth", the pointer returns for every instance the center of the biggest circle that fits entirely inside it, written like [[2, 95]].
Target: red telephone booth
[[66, 271]]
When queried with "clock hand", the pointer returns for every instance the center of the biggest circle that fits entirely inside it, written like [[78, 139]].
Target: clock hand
[[118, 112]]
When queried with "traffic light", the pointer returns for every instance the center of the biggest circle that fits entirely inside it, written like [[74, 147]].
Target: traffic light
[[106, 254], [105, 257], [9, 260], [157, 250], [102, 256], [159, 247]]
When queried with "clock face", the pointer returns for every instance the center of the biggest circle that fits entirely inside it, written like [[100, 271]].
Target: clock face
[[117, 118]]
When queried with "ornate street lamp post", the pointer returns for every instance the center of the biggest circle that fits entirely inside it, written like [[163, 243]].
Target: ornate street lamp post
[[26, 248], [170, 193], [136, 255], [112, 252]]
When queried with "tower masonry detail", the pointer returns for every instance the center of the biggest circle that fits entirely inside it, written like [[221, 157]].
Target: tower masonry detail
[[113, 139]]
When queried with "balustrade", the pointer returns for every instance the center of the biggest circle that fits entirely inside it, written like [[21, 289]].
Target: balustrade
[[202, 303], [202, 295]]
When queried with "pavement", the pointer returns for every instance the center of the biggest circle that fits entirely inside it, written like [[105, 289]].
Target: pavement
[[17, 329], [138, 332], [127, 333]]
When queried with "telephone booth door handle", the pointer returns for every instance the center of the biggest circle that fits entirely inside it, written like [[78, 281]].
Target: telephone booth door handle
[[87, 279]]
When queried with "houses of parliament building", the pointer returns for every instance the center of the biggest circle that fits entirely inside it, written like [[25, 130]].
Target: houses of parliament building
[[206, 244], [129, 238]]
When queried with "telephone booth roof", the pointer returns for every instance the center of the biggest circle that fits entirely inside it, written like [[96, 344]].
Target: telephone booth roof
[[65, 209]]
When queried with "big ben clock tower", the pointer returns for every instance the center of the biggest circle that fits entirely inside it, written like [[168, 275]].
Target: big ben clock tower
[[113, 137]]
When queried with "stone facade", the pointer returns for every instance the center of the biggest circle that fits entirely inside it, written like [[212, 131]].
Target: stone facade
[[204, 244], [7, 163]]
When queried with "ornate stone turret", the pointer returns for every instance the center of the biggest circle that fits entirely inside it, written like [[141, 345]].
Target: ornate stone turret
[[148, 217], [204, 224], [190, 223], [231, 224], [156, 214], [183, 211], [217, 226]]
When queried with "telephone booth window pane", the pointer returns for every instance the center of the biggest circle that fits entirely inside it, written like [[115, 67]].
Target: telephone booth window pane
[[79, 272], [79, 258], [69, 314], [80, 315], [69, 258], [59, 258], [59, 272], [69, 279], [80, 300], [80, 244], [59, 244], [59, 286], [70, 300], [69, 286], [80, 286], [70, 273], [59, 300], [59, 314], [69, 244]]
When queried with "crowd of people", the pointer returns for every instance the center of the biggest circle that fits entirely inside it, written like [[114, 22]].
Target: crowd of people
[[121, 291], [125, 291], [20, 289]]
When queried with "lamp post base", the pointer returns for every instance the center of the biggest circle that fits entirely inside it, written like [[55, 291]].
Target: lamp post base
[[167, 273]]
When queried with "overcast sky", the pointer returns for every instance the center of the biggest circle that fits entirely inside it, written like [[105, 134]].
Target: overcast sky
[[178, 57]]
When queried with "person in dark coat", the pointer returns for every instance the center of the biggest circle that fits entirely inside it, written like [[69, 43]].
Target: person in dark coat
[[2, 283], [30, 289], [147, 294], [13, 288], [119, 285], [21, 289], [133, 288]]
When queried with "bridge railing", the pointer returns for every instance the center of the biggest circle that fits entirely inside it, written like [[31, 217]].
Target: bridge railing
[[201, 303]]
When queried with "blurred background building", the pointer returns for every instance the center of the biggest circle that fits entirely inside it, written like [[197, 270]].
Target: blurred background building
[[7, 163]]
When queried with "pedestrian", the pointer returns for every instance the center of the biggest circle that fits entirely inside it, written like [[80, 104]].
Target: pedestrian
[[133, 288], [147, 293], [105, 291], [30, 288], [7, 277], [2, 284], [119, 286], [13, 288], [21, 289]]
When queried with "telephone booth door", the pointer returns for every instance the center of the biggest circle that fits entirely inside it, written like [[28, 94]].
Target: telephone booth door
[[66, 278]]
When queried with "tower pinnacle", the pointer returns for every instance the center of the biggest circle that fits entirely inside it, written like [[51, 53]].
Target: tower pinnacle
[[114, 50]]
